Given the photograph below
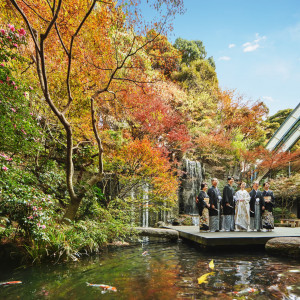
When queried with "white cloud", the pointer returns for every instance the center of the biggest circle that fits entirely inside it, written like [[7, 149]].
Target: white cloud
[[225, 58], [231, 46], [268, 98], [252, 46]]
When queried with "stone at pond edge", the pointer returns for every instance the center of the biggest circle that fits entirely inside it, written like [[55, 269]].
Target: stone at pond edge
[[157, 232], [287, 246]]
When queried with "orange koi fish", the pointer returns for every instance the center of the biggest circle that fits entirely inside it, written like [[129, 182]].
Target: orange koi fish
[[103, 286]]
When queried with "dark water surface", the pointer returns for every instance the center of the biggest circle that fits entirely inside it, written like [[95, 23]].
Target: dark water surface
[[166, 271]]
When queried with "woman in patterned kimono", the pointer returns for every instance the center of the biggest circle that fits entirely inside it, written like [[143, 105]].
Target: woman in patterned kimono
[[267, 216], [203, 206], [242, 209]]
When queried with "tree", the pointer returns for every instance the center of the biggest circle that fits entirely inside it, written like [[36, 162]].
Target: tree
[[275, 121], [163, 55], [92, 45], [192, 50]]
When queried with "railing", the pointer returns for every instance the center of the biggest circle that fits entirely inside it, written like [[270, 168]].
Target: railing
[[292, 222]]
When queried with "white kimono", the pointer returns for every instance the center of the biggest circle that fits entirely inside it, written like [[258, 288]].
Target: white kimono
[[242, 210]]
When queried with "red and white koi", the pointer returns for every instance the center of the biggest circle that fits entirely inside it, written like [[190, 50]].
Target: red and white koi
[[10, 282], [103, 286]]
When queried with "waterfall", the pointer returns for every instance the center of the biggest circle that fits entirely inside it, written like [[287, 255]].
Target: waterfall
[[189, 187], [145, 206]]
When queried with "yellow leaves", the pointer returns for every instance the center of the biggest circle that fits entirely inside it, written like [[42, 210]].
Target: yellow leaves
[[211, 265], [203, 278]]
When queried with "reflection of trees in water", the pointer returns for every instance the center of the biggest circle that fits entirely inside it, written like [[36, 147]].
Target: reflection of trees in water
[[169, 271]]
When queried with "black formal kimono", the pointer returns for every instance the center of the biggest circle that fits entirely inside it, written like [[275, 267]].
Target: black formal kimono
[[214, 213], [267, 216], [256, 204], [228, 211], [203, 211]]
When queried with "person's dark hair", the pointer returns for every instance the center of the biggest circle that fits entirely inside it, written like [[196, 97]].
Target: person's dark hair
[[203, 184], [230, 177]]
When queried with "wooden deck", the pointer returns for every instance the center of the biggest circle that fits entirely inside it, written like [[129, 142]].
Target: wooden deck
[[236, 238]]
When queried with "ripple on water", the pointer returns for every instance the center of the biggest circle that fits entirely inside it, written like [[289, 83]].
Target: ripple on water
[[168, 271]]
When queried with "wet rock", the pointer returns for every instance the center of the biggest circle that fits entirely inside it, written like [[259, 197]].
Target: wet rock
[[157, 232], [119, 244], [160, 224], [287, 246], [176, 222]]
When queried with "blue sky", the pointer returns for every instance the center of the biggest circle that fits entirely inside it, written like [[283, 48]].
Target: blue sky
[[255, 44]]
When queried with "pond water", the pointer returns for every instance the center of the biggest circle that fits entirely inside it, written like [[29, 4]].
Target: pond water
[[159, 270]]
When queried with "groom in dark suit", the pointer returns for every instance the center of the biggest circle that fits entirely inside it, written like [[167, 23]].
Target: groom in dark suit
[[257, 205], [228, 205], [214, 201]]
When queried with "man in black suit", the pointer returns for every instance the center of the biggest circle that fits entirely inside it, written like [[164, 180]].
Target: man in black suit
[[214, 211], [228, 205], [257, 205]]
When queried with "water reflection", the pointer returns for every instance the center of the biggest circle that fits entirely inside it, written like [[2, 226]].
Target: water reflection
[[166, 271]]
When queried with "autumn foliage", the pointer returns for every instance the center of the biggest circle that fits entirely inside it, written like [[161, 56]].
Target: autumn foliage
[[115, 97]]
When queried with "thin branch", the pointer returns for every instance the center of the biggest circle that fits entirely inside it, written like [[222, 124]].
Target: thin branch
[[136, 81], [51, 8], [97, 67], [70, 56], [29, 65], [55, 16], [35, 11], [81, 142], [60, 38]]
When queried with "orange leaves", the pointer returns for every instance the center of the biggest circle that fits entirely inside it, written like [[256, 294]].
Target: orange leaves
[[237, 113], [264, 160], [140, 159]]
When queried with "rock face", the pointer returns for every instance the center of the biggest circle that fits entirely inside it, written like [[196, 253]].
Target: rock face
[[287, 246], [189, 186]]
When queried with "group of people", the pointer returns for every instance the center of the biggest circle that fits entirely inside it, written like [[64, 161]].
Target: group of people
[[235, 211]]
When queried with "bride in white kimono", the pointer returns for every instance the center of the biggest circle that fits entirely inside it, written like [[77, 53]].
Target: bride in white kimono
[[242, 209]]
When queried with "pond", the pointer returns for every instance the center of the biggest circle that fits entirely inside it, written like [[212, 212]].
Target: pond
[[154, 269]]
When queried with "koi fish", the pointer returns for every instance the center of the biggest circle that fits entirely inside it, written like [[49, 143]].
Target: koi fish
[[203, 278], [145, 253], [245, 291], [103, 286], [10, 282], [211, 264]]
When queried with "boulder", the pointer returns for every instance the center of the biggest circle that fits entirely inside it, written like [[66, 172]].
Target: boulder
[[157, 232], [287, 246]]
